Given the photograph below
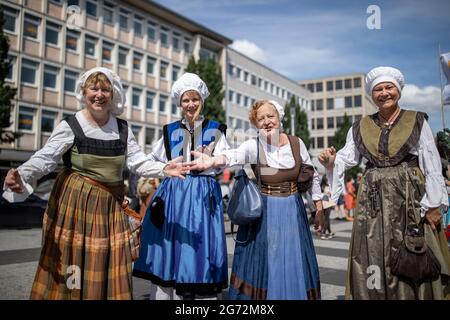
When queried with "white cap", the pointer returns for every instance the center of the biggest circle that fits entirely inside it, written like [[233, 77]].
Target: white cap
[[279, 108], [384, 74], [188, 81]]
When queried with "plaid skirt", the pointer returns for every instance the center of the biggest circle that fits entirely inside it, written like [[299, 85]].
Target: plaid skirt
[[86, 251]]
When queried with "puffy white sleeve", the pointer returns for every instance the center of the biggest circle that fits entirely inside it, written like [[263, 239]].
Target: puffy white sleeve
[[346, 158], [158, 151], [430, 164], [316, 191], [139, 163], [244, 154], [43, 161]]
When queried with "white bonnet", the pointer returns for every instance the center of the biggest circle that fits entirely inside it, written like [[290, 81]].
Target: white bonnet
[[279, 108], [118, 100], [384, 74], [188, 81]]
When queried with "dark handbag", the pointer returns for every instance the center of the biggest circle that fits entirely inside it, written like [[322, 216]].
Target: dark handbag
[[305, 178], [246, 202], [156, 209]]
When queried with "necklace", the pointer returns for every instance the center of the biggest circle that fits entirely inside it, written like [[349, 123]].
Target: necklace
[[392, 118]]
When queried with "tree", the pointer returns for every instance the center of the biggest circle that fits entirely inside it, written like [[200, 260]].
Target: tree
[[209, 71], [301, 121], [7, 93]]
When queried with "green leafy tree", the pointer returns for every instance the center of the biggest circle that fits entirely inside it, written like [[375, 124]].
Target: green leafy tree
[[209, 71], [7, 93], [301, 121]]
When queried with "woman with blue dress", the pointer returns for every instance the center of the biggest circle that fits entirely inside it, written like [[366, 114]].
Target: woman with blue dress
[[183, 251], [274, 257]]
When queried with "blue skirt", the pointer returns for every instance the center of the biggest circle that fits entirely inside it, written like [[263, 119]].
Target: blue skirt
[[278, 261], [189, 252]]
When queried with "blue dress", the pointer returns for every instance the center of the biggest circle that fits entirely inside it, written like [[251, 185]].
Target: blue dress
[[188, 252]]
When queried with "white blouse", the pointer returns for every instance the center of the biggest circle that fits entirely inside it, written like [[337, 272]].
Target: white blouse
[[159, 151], [279, 158], [429, 162], [45, 160]]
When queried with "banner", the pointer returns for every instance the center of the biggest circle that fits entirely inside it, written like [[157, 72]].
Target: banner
[[445, 63]]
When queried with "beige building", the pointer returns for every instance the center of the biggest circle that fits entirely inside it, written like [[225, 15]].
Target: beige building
[[331, 99], [52, 44]]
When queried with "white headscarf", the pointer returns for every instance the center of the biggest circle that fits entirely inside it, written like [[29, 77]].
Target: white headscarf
[[118, 100], [279, 109], [188, 81], [384, 74]]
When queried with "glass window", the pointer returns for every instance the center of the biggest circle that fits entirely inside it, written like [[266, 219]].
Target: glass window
[[176, 43], [339, 103], [238, 99], [174, 108], [356, 82], [319, 122], [151, 62], [151, 32], [89, 46], [31, 26], [149, 101], [107, 51], [319, 104], [187, 47], [136, 97], [230, 69], [29, 68], [348, 102], [138, 27], [26, 118], [175, 72], [313, 143], [50, 76], [72, 40], [311, 87], [164, 39], [123, 54], [52, 33], [162, 103], [137, 57], [230, 95], [253, 81], [358, 102], [339, 122], [10, 16], [319, 87], [320, 142], [123, 19], [70, 79], [73, 2], [330, 123], [108, 13], [338, 84], [313, 124], [91, 9], [163, 69], [136, 132], [266, 85], [313, 105], [348, 83], [246, 101], [48, 119], [246, 76], [12, 61], [238, 73], [149, 135], [330, 103]]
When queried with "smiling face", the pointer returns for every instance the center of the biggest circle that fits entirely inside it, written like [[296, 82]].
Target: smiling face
[[191, 103], [98, 94], [385, 95], [267, 119]]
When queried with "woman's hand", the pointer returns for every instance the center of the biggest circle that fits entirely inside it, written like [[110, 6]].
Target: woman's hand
[[433, 217], [319, 223], [14, 182], [203, 161], [175, 168], [327, 157]]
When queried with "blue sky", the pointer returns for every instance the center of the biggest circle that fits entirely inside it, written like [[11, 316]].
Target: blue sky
[[306, 39]]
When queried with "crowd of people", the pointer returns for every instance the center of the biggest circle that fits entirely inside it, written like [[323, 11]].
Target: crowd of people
[[167, 225]]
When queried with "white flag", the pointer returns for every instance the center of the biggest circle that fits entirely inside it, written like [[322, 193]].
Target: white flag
[[445, 63]]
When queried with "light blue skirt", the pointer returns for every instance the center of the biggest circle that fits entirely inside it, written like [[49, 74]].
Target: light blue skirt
[[278, 261], [189, 252]]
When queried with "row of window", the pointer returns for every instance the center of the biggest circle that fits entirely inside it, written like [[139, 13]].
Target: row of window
[[337, 103], [235, 123], [332, 122], [32, 24], [27, 122], [240, 99], [260, 83], [333, 85]]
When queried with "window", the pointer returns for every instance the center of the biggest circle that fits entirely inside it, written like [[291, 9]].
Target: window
[[253, 81], [313, 143], [73, 2], [108, 13], [356, 82], [330, 85], [50, 76], [246, 101], [230, 69], [91, 9], [348, 102], [151, 62], [358, 102], [10, 16], [70, 79], [278, 91], [313, 105], [12, 61], [330, 141], [151, 31], [137, 57], [123, 19], [90, 44], [246, 76], [163, 69], [311, 87], [162, 103], [48, 119], [136, 132], [206, 54], [348, 83], [28, 74], [175, 72], [72, 40], [31, 26], [138, 26], [123, 55], [319, 122], [149, 135], [313, 124], [149, 101], [266, 85], [230, 95], [319, 87], [330, 103], [260, 83], [319, 104], [339, 122], [320, 142], [187, 46], [339, 103], [164, 37], [238, 73], [136, 97], [107, 51], [52, 33], [272, 88], [26, 118], [238, 99], [338, 84], [174, 108], [176, 42], [330, 123]]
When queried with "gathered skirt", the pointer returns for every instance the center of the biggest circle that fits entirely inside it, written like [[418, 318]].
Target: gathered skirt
[[274, 257], [86, 251]]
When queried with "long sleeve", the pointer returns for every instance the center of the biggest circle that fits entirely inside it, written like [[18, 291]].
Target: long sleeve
[[346, 158], [158, 151], [316, 191]]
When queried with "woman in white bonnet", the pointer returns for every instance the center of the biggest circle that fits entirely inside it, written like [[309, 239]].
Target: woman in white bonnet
[[398, 249], [88, 247], [183, 251]]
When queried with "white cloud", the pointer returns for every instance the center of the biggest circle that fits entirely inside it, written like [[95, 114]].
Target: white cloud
[[426, 99], [250, 49]]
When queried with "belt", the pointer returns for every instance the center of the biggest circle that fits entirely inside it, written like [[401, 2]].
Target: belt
[[410, 160], [279, 189]]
